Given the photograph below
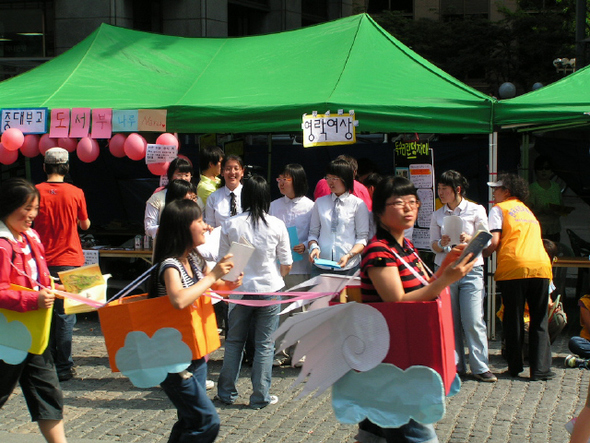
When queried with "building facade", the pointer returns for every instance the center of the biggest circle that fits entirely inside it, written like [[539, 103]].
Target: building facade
[[32, 32]]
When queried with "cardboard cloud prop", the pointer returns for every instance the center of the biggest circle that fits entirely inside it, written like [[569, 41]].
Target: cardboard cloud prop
[[389, 396], [15, 341], [147, 362], [335, 340]]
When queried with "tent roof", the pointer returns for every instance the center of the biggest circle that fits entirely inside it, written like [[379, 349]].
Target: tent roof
[[257, 84], [558, 105]]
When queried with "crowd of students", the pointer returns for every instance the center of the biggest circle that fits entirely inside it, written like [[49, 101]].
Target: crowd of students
[[349, 228]]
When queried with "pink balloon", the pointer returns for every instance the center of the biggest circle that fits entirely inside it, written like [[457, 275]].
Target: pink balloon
[[135, 146], [46, 143], [69, 144], [158, 168], [116, 145], [7, 157], [167, 139], [87, 149], [30, 147], [12, 139]]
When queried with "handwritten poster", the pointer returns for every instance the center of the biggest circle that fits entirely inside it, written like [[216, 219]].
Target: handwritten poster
[[329, 129], [59, 127], [28, 120], [414, 159], [125, 121], [80, 123], [102, 123], [151, 120]]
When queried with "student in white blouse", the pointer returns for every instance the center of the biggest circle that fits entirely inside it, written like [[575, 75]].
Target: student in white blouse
[[339, 227], [265, 270], [221, 204], [294, 208]]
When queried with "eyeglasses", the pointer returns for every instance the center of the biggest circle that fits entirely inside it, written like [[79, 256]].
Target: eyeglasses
[[284, 179], [399, 204], [331, 179]]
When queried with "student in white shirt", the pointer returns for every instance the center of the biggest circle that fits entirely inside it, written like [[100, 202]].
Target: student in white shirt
[[467, 293], [339, 227], [265, 270], [294, 208], [220, 204]]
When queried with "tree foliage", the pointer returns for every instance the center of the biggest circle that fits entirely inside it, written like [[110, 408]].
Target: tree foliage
[[520, 48]]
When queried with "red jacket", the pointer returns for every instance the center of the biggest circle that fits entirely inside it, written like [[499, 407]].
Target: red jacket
[[20, 301]]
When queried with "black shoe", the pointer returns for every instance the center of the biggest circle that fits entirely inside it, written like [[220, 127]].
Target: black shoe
[[543, 376], [68, 375]]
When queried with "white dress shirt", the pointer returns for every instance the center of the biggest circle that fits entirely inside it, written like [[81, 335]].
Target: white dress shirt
[[271, 243], [153, 211], [352, 229], [295, 212], [218, 207], [474, 219]]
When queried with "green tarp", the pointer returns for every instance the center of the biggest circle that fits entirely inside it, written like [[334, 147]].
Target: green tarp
[[257, 84], [563, 103]]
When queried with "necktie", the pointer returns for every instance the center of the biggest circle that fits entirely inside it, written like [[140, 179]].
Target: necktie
[[232, 204], [335, 215]]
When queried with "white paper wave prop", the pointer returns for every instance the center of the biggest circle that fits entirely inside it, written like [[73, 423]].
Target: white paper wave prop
[[334, 340]]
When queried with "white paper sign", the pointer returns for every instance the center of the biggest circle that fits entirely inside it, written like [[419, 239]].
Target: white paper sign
[[453, 227], [329, 129], [90, 256], [28, 120], [160, 153]]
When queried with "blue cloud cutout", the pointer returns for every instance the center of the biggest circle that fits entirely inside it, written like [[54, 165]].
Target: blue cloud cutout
[[15, 341], [389, 396], [147, 362]]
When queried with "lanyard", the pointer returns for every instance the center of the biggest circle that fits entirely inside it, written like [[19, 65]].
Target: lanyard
[[412, 270]]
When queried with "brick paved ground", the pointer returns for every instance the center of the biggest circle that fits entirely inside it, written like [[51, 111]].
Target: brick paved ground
[[105, 407]]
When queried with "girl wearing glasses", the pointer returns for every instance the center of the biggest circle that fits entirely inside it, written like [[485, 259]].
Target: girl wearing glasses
[[466, 294], [339, 227], [392, 271]]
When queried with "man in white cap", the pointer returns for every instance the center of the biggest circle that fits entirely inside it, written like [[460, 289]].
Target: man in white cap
[[62, 208]]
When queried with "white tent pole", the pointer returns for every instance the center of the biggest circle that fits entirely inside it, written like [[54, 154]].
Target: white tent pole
[[492, 176]]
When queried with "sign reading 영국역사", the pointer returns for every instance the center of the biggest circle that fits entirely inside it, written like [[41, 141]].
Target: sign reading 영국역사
[[327, 129], [160, 153], [28, 120]]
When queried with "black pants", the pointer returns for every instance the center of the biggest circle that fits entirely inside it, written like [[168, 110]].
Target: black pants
[[514, 294]]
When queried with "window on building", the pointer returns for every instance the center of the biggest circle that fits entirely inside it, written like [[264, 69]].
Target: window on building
[[377, 6], [452, 9]]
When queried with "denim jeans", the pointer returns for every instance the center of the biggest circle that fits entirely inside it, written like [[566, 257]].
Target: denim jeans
[[467, 302], [62, 330], [265, 321], [579, 346], [198, 421], [411, 432]]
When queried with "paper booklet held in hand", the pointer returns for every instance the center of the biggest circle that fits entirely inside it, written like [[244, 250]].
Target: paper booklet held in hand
[[478, 242], [242, 252]]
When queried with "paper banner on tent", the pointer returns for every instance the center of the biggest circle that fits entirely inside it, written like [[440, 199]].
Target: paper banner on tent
[[151, 120], [125, 120], [102, 125], [59, 126], [329, 129], [28, 120], [80, 122]]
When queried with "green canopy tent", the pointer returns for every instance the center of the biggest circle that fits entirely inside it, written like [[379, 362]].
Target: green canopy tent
[[257, 84], [563, 104]]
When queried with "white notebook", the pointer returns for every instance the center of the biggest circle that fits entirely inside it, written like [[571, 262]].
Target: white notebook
[[242, 252]]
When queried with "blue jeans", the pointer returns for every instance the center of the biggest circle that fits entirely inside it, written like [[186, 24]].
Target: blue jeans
[[265, 321], [579, 346], [198, 421], [62, 330], [467, 302], [411, 432]]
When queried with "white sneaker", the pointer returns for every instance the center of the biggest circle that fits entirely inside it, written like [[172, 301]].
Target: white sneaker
[[209, 384]]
